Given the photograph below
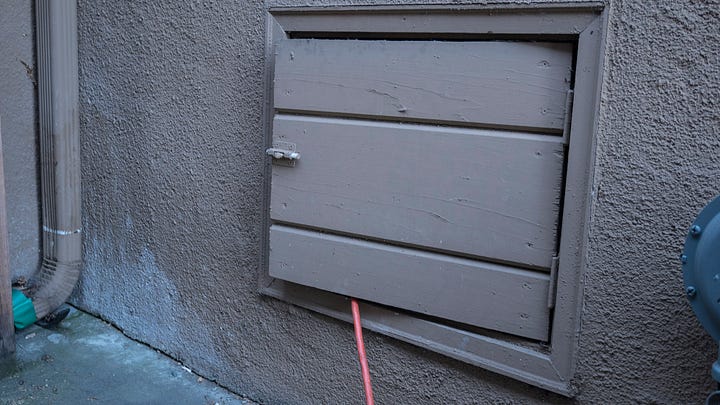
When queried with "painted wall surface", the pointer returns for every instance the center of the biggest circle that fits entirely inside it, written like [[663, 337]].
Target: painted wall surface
[[172, 143], [18, 128]]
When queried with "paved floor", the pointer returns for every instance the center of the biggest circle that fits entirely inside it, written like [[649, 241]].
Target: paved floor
[[85, 360]]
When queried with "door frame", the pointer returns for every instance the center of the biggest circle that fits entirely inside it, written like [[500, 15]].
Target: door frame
[[550, 365]]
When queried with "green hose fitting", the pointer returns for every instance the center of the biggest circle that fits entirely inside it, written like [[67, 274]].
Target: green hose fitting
[[23, 310]]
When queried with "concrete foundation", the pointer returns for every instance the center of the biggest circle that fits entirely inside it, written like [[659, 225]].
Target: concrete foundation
[[84, 360]]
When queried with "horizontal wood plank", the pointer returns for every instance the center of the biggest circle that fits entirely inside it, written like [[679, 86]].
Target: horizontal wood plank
[[438, 20], [481, 193], [481, 294], [496, 353], [494, 83]]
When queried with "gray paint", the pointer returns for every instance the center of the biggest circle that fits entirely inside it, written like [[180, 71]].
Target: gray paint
[[59, 131], [173, 158], [480, 193], [365, 19], [519, 84], [18, 120], [560, 355], [476, 293]]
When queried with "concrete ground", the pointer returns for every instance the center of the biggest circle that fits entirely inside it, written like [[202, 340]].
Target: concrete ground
[[85, 360]]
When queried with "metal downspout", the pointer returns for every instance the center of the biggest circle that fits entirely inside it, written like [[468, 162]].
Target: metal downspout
[[58, 104]]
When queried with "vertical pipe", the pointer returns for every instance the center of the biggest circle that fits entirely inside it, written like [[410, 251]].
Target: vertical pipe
[[7, 328], [58, 101]]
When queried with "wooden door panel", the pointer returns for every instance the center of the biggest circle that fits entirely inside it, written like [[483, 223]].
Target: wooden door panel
[[486, 295], [499, 84], [481, 193]]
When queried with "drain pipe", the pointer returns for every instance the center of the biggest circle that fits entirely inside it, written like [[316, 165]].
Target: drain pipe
[[58, 102]]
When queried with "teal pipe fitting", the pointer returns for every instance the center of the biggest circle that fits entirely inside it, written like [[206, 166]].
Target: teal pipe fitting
[[23, 310]]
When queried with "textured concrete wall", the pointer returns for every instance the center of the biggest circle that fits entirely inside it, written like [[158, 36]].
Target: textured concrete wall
[[18, 124], [173, 159]]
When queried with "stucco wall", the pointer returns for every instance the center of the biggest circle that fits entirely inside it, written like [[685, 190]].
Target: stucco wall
[[173, 158], [18, 125]]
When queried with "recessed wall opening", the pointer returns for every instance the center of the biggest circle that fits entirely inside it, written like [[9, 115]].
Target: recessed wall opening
[[438, 177]]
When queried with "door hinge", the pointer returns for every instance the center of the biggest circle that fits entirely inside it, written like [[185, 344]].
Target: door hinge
[[568, 116], [552, 290]]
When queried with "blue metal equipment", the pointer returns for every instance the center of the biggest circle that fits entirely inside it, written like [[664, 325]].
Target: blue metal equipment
[[701, 273]]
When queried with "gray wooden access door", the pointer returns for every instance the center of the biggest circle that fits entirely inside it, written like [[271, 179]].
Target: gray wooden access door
[[430, 174]]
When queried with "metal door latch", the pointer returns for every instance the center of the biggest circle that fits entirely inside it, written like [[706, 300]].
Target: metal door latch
[[283, 153]]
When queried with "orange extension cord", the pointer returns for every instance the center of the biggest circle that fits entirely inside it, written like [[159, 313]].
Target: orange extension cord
[[361, 352]]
